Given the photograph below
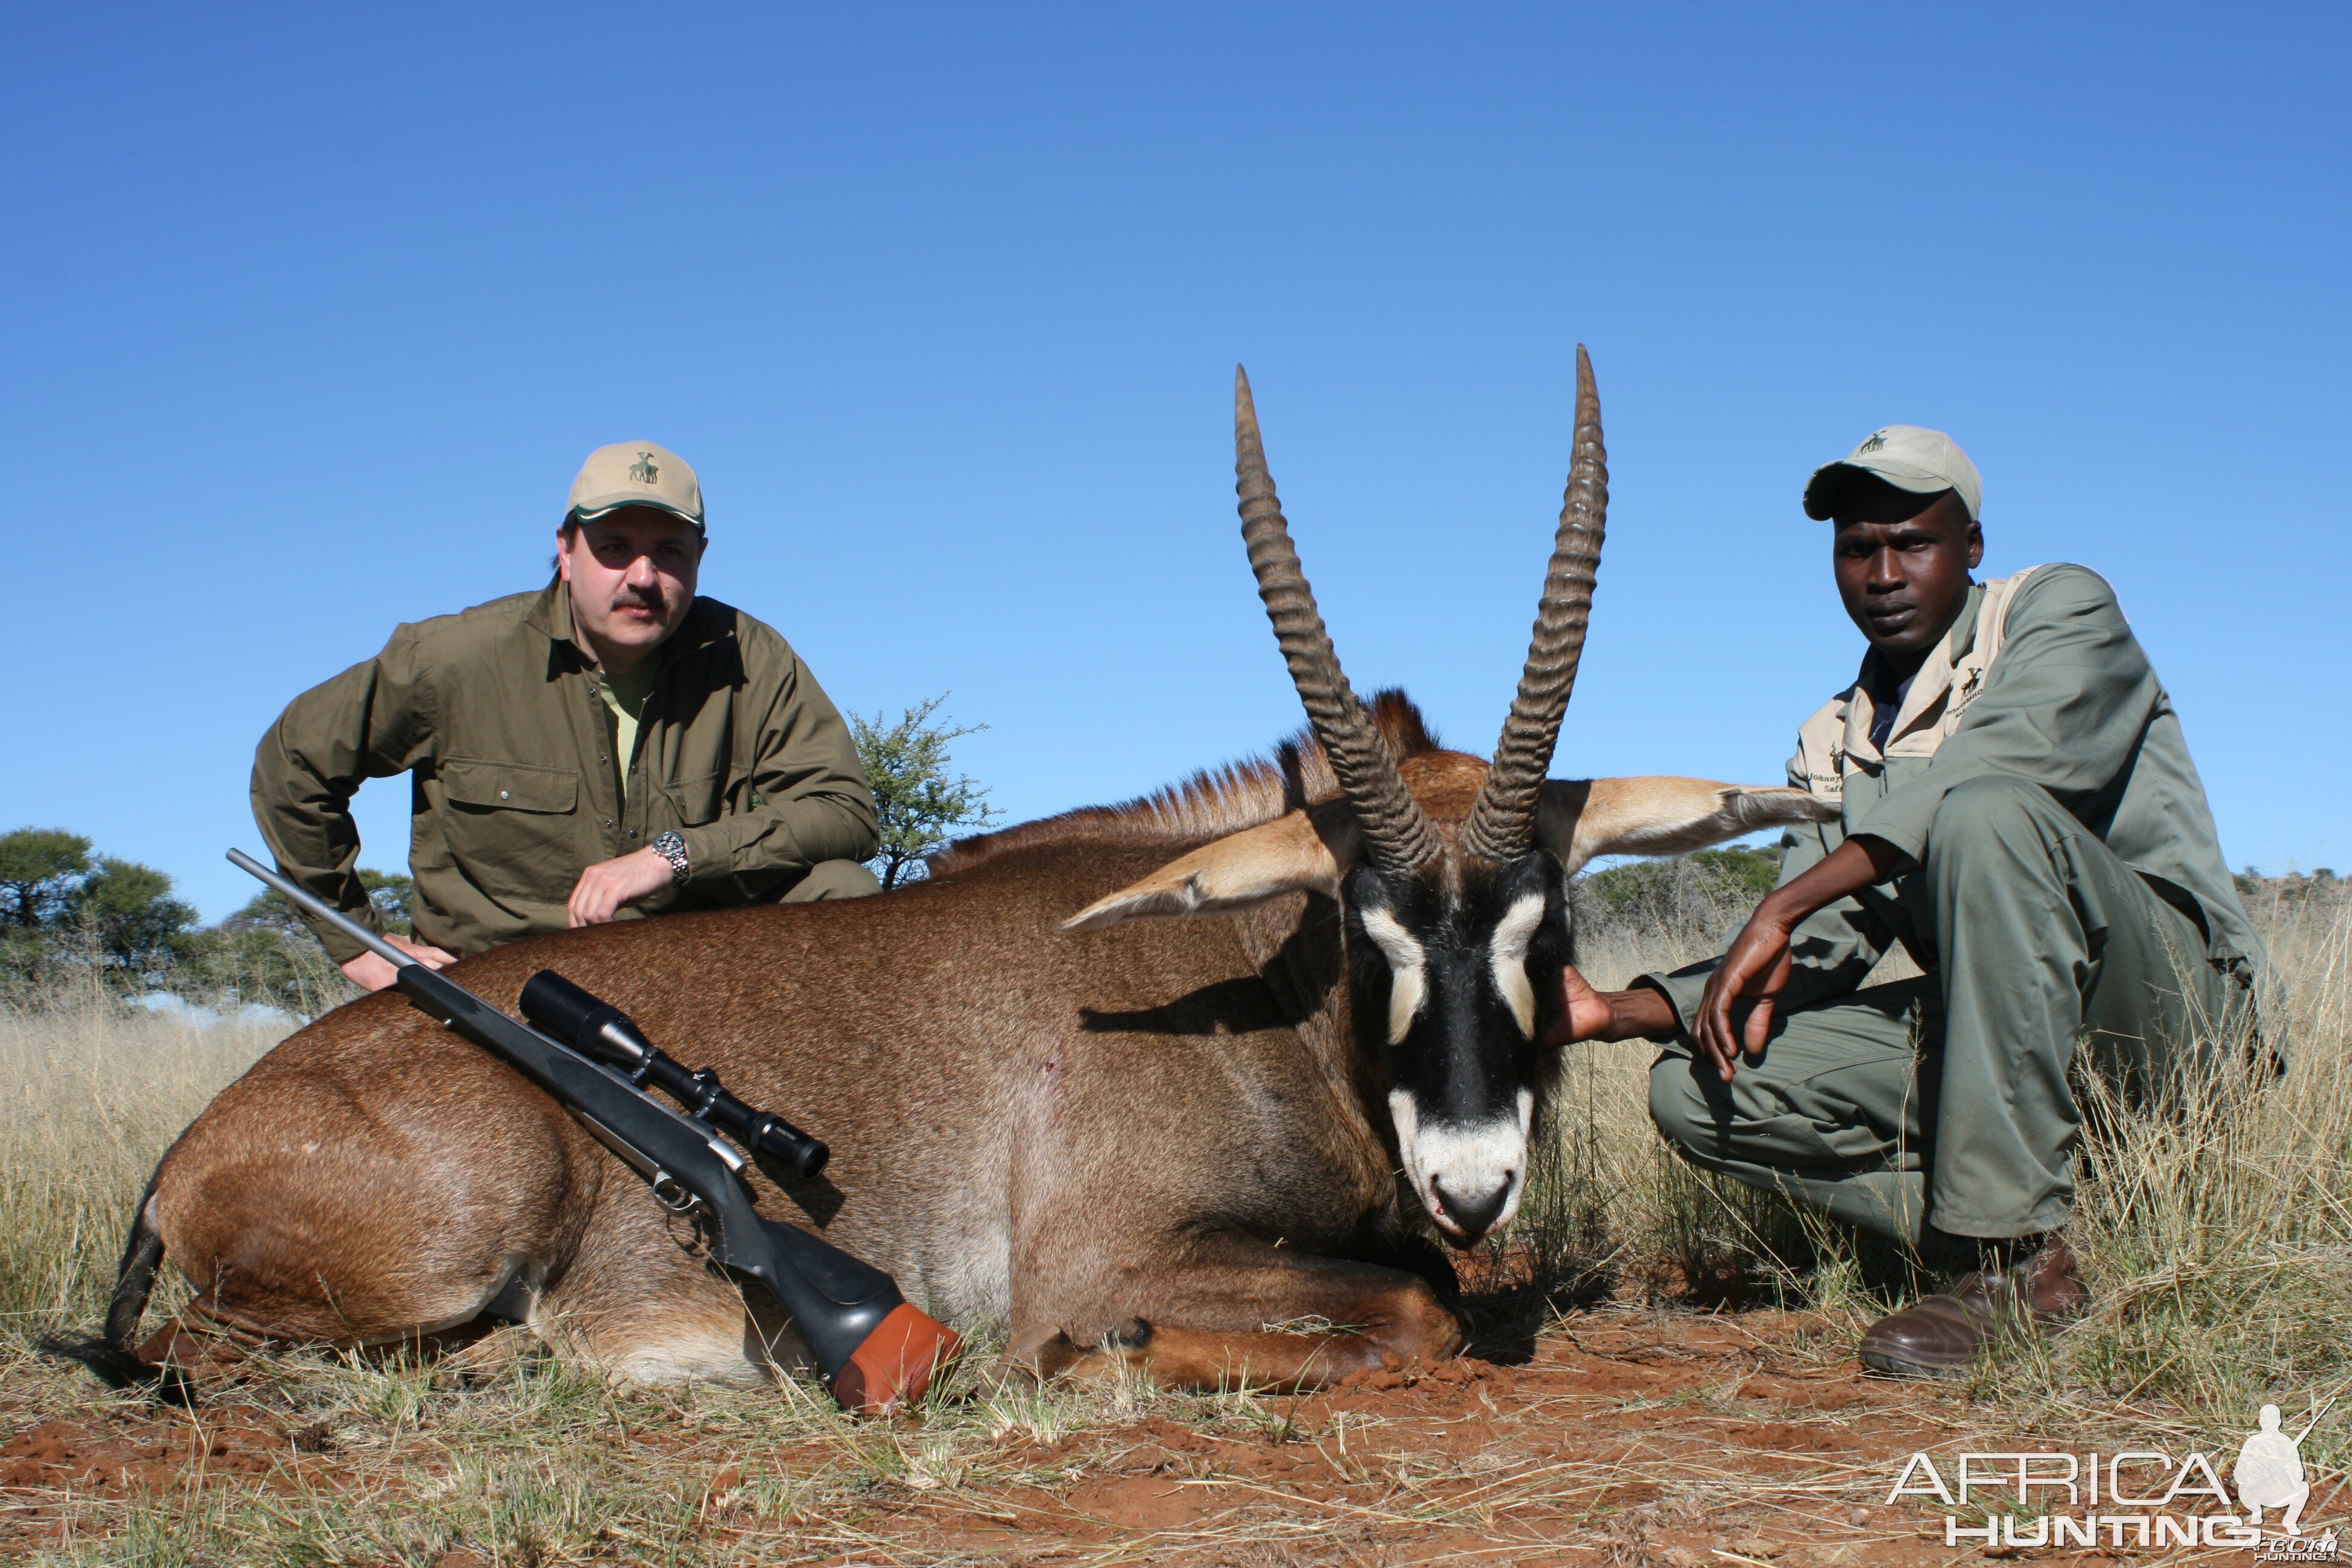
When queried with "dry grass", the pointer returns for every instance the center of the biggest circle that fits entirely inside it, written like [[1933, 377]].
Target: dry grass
[[543, 1462], [2220, 1242], [95, 1090]]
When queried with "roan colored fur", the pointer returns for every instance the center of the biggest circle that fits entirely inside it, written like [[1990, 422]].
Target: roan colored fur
[[1150, 1142]]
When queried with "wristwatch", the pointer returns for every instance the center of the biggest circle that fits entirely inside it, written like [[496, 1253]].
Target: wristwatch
[[672, 848]]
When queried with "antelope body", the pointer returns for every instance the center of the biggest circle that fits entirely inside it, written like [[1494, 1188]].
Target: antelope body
[[1140, 1142]]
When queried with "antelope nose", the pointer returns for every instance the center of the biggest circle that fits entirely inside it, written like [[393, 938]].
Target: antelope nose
[[1473, 1213]]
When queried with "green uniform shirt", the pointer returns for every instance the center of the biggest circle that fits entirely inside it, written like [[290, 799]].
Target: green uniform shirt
[[496, 715], [2062, 697]]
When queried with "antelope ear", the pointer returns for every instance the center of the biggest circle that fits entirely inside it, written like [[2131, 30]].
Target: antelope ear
[[1660, 816], [1285, 856]]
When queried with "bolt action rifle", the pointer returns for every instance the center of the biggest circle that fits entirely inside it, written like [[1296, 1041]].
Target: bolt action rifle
[[876, 1349]]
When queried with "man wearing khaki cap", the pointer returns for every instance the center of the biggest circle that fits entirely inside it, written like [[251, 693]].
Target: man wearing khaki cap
[[2019, 813], [608, 747]]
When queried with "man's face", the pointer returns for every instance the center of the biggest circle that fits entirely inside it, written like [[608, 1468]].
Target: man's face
[[1903, 563], [631, 574]]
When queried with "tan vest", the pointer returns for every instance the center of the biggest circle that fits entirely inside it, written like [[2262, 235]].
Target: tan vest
[[1830, 741]]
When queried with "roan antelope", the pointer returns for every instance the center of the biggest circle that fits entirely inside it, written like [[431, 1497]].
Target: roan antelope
[[1130, 1141]]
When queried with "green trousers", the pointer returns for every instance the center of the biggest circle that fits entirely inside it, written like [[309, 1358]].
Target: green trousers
[[1943, 1101], [832, 879]]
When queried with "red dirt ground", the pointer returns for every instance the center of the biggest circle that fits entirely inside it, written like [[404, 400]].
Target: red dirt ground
[[1630, 1438]]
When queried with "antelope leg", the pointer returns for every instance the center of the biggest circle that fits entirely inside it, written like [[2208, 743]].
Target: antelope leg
[[1236, 1310]]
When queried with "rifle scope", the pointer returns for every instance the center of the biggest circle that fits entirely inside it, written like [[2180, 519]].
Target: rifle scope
[[603, 1031]]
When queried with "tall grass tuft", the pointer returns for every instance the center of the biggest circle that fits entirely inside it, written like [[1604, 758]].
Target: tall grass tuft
[[2218, 1237], [95, 1090]]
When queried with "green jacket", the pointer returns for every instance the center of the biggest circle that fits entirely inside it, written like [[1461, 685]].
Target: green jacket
[[495, 714], [2039, 678]]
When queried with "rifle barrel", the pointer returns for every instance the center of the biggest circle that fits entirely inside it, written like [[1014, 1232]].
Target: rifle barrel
[[310, 903]]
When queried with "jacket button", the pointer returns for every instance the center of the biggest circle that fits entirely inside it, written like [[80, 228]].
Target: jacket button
[[502, 795]]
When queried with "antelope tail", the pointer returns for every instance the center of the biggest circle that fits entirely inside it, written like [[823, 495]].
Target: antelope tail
[[142, 1255]]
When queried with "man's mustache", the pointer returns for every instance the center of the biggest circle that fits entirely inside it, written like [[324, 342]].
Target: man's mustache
[[635, 599]]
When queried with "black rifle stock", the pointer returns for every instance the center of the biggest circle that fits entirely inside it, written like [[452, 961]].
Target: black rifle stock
[[876, 1350]]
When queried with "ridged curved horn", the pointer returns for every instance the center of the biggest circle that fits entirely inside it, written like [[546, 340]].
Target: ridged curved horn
[[1397, 832], [1501, 825]]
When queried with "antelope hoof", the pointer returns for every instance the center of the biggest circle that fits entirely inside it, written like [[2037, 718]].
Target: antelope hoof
[[186, 1358]]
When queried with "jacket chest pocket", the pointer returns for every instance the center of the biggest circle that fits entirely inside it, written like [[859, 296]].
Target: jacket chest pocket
[[513, 827]]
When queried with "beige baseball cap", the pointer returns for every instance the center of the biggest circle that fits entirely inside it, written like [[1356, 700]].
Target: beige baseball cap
[[1907, 456], [635, 473]]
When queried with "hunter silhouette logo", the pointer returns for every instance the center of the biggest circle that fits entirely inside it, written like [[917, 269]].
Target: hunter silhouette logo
[[2270, 1472], [1877, 439], [644, 469]]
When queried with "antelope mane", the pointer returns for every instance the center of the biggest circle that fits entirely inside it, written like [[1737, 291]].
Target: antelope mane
[[1215, 802]]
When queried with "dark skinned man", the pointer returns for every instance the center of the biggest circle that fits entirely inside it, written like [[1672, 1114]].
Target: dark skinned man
[[2020, 813], [610, 746]]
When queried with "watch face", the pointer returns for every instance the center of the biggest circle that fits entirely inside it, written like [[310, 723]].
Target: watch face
[[672, 848]]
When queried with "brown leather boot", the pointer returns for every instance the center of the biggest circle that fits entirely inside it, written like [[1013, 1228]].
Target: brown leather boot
[[1938, 1336]]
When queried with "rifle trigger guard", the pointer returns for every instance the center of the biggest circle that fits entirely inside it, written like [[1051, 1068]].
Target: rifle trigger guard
[[672, 1193]]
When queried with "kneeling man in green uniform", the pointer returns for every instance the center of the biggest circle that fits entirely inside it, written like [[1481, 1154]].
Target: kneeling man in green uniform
[[608, 747], [2020, 813]]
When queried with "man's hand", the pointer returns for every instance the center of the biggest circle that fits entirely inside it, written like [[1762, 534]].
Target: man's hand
[[1585, 1014], [1755, 969], [370, 972], [1750, 975], [610, 885]]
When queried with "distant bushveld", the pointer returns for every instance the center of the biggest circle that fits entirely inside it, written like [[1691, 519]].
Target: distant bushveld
[[75, 920]]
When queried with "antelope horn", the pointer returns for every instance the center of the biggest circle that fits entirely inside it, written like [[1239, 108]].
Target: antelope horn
[[1397, 832], [1501, 825]]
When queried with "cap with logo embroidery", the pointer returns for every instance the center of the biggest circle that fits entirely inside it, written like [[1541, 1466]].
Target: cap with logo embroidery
[[1907, 456], [634, 473]]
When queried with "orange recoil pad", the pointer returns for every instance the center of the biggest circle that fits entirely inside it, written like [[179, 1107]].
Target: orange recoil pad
[[895, 1363]]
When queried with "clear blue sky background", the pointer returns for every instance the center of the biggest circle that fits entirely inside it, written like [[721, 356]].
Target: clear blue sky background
[[314, 310]]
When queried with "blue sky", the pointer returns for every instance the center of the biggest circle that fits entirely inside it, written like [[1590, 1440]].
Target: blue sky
[[315, 311]]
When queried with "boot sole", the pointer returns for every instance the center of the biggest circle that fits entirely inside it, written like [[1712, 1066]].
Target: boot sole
[[1899, 1366]]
